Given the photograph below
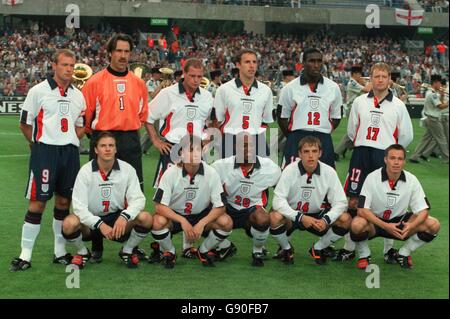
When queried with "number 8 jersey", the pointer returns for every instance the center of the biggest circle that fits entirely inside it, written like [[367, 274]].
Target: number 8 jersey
[[53, 113]]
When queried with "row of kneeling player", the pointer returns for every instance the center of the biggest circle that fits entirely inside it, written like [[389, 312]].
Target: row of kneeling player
[[211, 201]]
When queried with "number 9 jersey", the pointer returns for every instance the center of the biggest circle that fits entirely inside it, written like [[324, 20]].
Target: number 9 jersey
[[53, 113]]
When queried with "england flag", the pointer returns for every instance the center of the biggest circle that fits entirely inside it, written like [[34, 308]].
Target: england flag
[[409, 17]]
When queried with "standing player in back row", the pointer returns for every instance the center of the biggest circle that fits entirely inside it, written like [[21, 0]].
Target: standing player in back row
[[51, 120], [244, 104], [377, 119], [310, 105], [117, 101]]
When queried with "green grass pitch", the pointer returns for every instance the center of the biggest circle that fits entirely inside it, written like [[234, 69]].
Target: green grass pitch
[[233, 278]]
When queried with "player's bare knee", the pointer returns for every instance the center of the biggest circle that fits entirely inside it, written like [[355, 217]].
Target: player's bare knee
[[344, 221], [70, 224], [260, 217], [358, 225], [144, 219], [225, 222], [36, 206], [433, 225], [159, 222], [276, 219], [62, 202]]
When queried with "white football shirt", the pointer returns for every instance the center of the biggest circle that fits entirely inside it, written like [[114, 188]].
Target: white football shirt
[[311, 109], [381, 124], [246, 189], [298, 191], [240, 110], [180, 115], [189, 195], [96, 194], [388, 202], [54, 113]]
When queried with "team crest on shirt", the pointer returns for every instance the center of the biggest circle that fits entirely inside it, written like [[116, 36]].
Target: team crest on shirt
[[121, 87], [106, 192], [375, 119], [245, 189], [44, 188], [354, 185], [64, 108], [190, 195], [247, 107], [314, 103], [191, 112], [306, 194], [391, 200]]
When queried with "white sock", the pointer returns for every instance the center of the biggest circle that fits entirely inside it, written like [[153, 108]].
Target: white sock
[[410, 245], [388, 244], [282, 239], [349, 244], [79, 245], [259, 239], [133, 241], [163, 238], [186, 244], [215, 236], [327, 239], [363, 248], [60, 241], [29, 235], [224, 244]]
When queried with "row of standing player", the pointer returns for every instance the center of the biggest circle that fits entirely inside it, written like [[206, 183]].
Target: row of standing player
[[249, 109]]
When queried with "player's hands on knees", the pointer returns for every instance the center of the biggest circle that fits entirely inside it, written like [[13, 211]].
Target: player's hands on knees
[[320, 225], [394, 230], [406, 230], [119, 227], [198, 229], [106, 231], [163, 147], [189, 231], [308, 221]]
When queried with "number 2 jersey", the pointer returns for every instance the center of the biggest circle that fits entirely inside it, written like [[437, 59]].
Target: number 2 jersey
[[53, 113], [246, 189], [379, 124]]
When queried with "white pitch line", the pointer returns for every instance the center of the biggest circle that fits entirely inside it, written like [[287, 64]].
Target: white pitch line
[[10, 133], [14, 155]]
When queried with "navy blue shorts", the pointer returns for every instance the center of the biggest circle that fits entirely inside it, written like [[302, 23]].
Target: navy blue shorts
[[240, 217], [312, 230], [363, 162], [109, 220], [294, 137], [229, 145], [53, 169], [192, 219], [380, 232]]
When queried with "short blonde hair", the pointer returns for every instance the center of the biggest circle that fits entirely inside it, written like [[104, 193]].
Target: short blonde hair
[[380, 66]]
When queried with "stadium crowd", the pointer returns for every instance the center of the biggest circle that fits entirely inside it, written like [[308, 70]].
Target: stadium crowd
[[25, 56]]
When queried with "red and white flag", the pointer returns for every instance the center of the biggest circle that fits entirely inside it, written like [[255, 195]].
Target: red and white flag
[[12, 2], [409, 17]]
